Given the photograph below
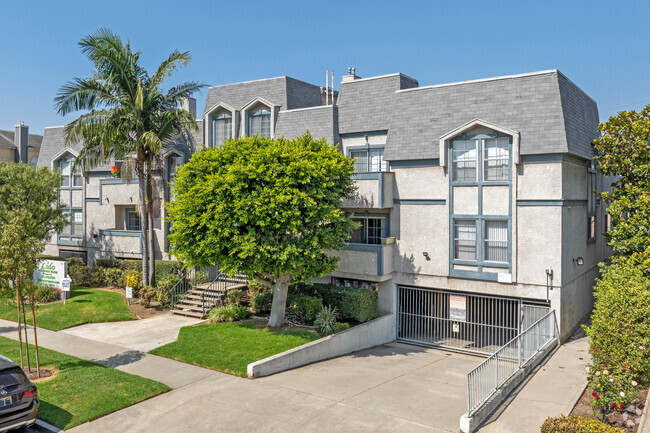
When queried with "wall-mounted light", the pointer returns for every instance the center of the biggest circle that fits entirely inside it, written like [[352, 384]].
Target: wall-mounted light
[[426, 255], [579, 261]]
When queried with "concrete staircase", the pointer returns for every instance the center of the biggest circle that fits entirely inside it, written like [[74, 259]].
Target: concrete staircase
[[198, 299]]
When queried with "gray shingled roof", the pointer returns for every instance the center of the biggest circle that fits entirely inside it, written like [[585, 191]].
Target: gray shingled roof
[[7, 140], [320, 121], [551, 114], [365, 104], [54, 143], [286, 92]]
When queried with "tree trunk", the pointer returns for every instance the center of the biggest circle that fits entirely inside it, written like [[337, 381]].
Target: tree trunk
[[29, 367], [150, 246], [20, 334], [143, 222], [279, 305], [32, 302]]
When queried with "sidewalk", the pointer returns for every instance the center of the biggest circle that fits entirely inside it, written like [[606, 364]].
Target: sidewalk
[[553, 390], [172, 373]]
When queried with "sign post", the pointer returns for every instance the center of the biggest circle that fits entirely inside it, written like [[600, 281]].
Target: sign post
[[129, 295], [65, 288]]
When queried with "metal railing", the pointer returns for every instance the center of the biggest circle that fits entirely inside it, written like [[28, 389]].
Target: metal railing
[[487, 377], [218, 288], [193, 278]]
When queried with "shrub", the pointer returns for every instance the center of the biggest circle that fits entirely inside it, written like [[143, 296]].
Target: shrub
[[341, 326], [352, 304], [165, 268], [133, 279], [576, 424], [228, 313], [305, 305], [45, 294], [98, 276], [620, 330], [612, 390], [233, 297], [79, 272], [110, 263], [325, 322], [146, 295], [163, 286], [261, 303], [113, 276]]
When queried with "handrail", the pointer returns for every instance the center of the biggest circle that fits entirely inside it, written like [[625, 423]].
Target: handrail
[[486, 378], [215, 290]]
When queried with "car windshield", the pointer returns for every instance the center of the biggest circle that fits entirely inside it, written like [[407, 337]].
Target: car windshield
[[12, 376]]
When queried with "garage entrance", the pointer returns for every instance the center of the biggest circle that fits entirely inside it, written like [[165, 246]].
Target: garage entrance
[[468, 322]]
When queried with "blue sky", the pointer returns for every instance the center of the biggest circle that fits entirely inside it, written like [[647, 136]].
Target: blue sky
[[600, 45]]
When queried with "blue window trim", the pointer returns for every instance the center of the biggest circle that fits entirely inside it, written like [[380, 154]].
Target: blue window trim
[[592, 185], [480, 219]]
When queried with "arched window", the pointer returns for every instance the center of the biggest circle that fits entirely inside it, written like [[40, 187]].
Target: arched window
[[259, 122], [221, 128]]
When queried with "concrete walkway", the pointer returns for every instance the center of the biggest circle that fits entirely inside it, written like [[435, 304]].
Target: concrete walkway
[[552, 391], [172, 373], [142, 335]]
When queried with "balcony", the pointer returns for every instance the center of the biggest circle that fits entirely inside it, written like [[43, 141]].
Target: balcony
[[365, 262], [118, 191], [374, 191], [120, 242]]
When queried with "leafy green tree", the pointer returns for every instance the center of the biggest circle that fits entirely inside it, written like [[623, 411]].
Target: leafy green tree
[[624, 153], [18, 251], [32, 194], [268, 208], [128, 116]]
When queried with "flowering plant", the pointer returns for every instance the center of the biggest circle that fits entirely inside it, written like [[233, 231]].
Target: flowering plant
[[611, 391], [114, 171]]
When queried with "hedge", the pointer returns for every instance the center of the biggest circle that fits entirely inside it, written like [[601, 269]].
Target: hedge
[[163, 267], [355, 304], [576, 424]]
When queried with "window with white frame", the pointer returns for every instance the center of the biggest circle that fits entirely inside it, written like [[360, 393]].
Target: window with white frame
[[131, 219], [371, 230], [370, 160], [465, 240], [65, 165], [496, 241], [464, 156], [496, 159], [259, 122], [221, 128], [75, 222]]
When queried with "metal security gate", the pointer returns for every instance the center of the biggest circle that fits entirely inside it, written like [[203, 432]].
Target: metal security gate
[[468, 322]]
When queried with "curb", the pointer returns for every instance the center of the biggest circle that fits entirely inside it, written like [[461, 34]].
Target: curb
[[46, 426], [644, 418]]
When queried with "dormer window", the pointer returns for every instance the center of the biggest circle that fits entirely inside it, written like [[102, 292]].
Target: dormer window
[[221, 125], [65, 165], [259, 122]]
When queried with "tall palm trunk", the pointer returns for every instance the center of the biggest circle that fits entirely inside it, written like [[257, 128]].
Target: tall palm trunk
[[143, 221], [150, 246]]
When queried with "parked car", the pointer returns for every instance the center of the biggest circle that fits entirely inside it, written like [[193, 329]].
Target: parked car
[[18, 397]]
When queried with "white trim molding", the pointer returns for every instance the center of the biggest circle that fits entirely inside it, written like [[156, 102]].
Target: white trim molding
[[216, 107], [273, 108], [445, 139]]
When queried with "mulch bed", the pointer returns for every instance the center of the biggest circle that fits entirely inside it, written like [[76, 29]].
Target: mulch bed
[[628, 420], [134, 304], [46, 373]]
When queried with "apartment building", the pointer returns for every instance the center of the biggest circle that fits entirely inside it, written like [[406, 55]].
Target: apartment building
[[19, 145], [475, 198]]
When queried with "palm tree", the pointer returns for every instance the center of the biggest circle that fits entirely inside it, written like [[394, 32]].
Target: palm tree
[[126, 116]]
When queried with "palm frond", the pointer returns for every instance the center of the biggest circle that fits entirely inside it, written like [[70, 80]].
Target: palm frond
[[169, 66]]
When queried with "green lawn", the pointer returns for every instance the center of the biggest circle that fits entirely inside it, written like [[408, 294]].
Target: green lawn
[[230, 347], [82, 390], [84, 306]]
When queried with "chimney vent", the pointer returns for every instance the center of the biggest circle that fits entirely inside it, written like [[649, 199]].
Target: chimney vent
[[351, 75]]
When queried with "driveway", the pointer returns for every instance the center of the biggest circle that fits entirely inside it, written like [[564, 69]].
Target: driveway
[[389, 388], [141, 335]]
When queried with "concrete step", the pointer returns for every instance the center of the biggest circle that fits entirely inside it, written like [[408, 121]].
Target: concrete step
[[188, 313]]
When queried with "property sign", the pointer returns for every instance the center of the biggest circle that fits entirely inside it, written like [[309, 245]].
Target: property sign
[[458, 308], [65, 284], [129, 292], [51, 273], [455, 327]]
